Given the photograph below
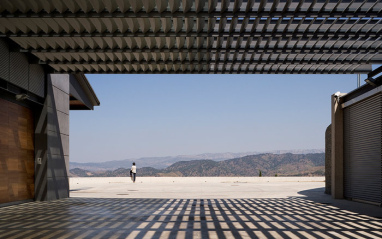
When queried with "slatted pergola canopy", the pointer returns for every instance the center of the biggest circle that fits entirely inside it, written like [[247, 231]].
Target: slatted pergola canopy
[[202, 36]]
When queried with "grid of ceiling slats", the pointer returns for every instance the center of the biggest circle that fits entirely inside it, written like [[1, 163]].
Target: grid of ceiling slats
[[202, 36]]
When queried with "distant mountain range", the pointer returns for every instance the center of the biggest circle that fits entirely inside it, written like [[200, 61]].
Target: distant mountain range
[[164, 162], [248, 166]]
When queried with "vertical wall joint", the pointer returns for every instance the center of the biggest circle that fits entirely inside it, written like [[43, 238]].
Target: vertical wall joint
[[337, 147]]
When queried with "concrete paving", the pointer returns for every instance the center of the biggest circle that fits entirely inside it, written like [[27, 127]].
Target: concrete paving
[[193, 208]]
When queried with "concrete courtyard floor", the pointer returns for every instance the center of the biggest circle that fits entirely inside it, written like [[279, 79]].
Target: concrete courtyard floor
[[193, 208]]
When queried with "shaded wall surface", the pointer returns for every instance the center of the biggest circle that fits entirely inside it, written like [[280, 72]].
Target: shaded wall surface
[[356, 146], [362, 150], [18, 75], [16, 69], [328, 160], [52, 132]]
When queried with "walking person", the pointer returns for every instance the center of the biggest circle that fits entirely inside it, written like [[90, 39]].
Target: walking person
[[134, 172]]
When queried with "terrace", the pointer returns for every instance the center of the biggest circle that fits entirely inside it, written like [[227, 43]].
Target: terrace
[[193, 208]]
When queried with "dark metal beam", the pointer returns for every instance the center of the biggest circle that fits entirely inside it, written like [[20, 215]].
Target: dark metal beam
[[168, 14], [314, 36], [310, 71], [375, 72], [220, 62], [305, 50]]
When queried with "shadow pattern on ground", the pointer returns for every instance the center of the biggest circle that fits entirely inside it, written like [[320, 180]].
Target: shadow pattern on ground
[[293, 217]]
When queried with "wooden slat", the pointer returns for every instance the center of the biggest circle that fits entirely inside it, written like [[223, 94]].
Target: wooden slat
[[16, 152]]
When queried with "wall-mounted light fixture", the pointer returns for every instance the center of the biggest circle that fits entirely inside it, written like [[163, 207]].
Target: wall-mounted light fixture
[[20, 97]]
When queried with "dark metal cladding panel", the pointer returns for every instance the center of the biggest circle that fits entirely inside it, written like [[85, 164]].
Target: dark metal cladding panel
[[36, 80], [4, 60], [19, 69], [362, 150]]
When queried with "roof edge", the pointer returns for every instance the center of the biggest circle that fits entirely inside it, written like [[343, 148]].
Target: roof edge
[[83, 81]]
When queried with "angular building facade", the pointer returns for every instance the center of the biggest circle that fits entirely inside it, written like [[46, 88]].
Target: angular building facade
[[34, 126]]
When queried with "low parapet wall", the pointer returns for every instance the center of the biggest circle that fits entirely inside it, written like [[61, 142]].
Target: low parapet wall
[[75, 180], [197, 187]]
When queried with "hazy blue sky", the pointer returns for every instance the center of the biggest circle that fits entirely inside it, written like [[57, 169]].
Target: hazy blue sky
[[168, 115]]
